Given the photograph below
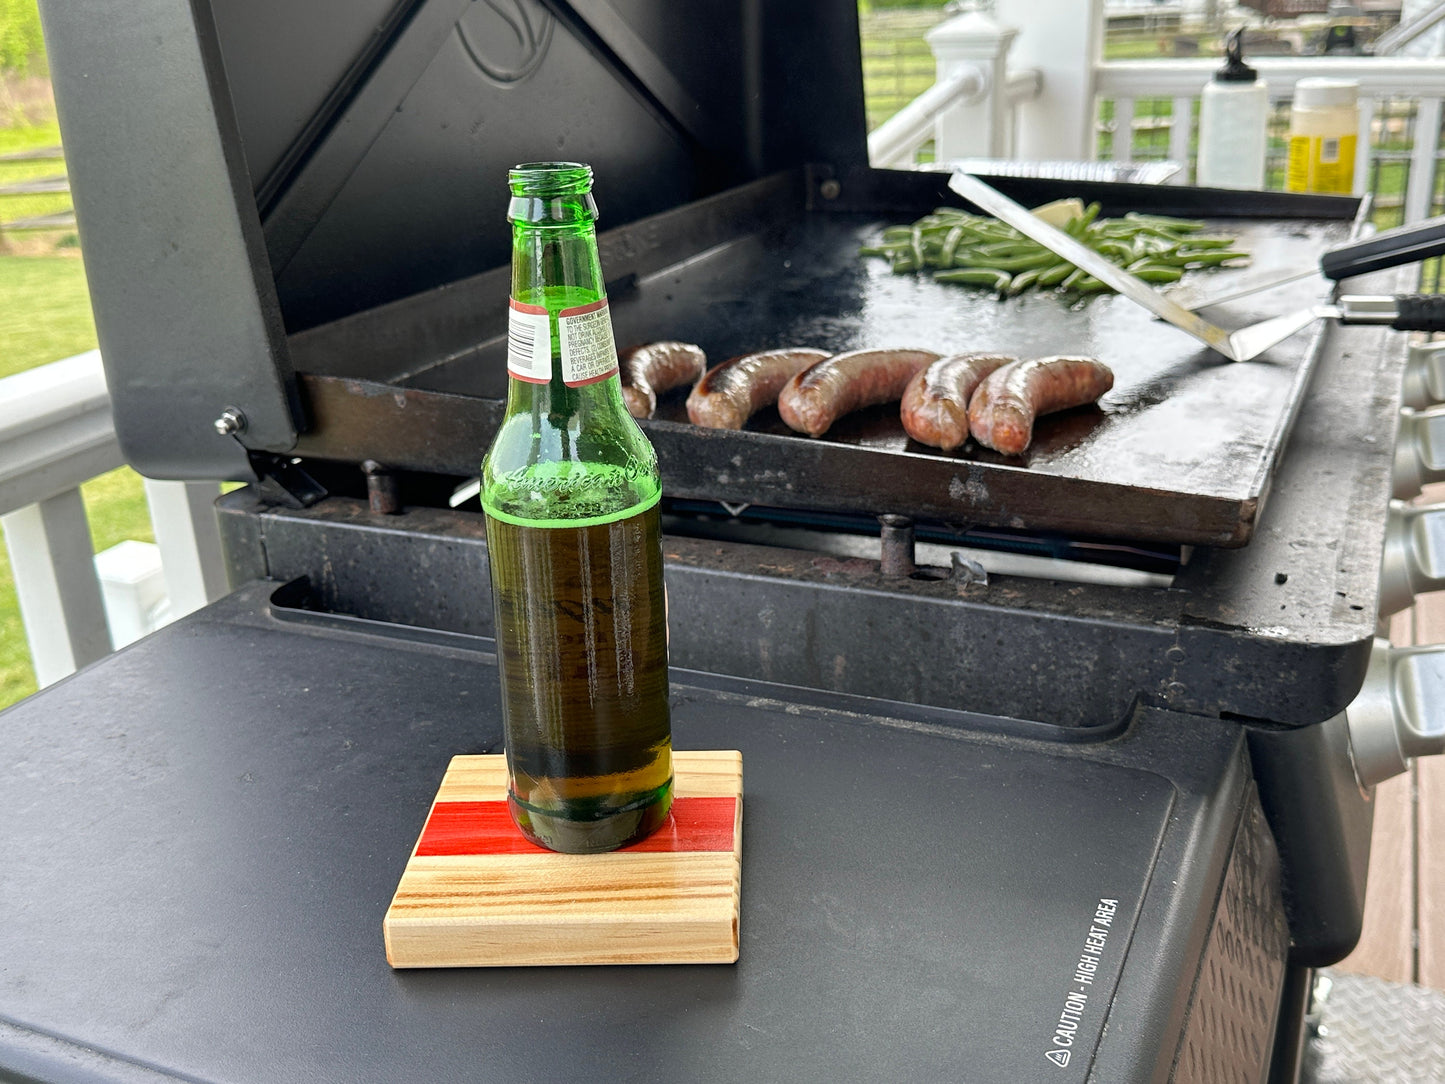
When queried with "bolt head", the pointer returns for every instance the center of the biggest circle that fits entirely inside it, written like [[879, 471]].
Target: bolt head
[[231, 422]]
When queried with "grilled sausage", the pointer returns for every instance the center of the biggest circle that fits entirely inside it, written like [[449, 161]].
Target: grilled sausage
[[817, 397], [1002, 412], [649, 370], [732, 392], [935, 403]]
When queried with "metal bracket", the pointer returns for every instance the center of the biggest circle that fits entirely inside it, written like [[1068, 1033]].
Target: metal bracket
[[285, 482]]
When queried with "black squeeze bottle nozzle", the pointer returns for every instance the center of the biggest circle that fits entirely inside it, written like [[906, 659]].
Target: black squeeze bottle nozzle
[[1235, 70]]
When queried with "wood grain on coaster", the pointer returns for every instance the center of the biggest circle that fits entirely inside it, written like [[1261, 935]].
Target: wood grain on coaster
[[477, 893]]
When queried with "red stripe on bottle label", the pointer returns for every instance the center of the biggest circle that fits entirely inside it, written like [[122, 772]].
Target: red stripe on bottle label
[[486, 828], [536, 310]]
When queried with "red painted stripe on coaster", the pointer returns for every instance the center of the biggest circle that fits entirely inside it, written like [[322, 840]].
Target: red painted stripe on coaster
[[484, 828]]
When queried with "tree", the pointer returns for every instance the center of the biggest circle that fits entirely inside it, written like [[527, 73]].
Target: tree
[[22, 49]]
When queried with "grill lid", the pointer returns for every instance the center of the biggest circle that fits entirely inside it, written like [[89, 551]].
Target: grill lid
[[256, 167]]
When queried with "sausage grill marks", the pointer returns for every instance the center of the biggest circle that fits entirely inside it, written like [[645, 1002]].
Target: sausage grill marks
[[935, 403], [649, 370], [732, 392], [817, 397], [1002, 412]]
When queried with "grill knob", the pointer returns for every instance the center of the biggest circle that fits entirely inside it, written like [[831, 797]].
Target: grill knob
[[1399, 713], [1424, 383], [1420, 451], [1414, 560]]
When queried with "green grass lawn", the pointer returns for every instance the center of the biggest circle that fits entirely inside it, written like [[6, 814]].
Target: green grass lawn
[[46, 317]]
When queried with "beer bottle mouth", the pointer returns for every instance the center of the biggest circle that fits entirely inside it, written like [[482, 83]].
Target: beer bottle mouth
[[548, 180]]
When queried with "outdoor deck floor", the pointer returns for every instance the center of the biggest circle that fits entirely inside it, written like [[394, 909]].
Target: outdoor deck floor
[[1404, 934]]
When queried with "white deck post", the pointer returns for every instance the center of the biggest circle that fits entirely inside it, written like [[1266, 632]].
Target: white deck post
[[55, 581], [980, 126], [1063, 39], [184, 517]]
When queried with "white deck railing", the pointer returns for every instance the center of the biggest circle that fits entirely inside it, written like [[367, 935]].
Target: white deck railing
[[56, 432], [1047, 106], [1382, 80]]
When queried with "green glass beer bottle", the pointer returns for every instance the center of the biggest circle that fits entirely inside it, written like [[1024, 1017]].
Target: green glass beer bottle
[[570, 488]]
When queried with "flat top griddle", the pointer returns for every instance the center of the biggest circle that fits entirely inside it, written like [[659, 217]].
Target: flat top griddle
[[1180, 417], [1180, 451]]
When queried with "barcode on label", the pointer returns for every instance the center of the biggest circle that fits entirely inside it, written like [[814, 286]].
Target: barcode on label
[[529, 343], [1329, 150]]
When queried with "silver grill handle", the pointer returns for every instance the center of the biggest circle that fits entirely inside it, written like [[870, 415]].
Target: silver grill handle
[[1419, 452], [1399, 713], [1414, 560]]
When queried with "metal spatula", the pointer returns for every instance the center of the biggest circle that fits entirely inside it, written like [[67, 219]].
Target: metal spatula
[[1390, 248], [1404, 314]]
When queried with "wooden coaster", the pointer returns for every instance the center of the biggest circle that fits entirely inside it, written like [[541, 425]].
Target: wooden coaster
[[476, 893]]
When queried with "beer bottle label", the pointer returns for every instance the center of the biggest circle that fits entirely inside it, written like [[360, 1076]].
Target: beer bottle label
[[529, 343], [588, 352]]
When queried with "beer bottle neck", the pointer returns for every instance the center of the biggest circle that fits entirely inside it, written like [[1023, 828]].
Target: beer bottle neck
[[567, 451], [560, 328]]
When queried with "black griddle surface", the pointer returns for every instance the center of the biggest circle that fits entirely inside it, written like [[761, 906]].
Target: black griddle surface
[[1181, 450]]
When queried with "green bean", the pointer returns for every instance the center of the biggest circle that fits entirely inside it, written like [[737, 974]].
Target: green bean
[[959, 247], [1022, 281], [950, 246], [1011, 248], [1119, 251], [976, 276], [1005, 263], [1212, 258], [1209, 242], [1088, 284], [915, 245], [1158, 274], [1178, 225], [1052, 276]]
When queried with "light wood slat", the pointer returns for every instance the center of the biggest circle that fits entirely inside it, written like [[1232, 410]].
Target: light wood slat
[[537, 908], [1386, 948], [1429, 628], [1430, 782]]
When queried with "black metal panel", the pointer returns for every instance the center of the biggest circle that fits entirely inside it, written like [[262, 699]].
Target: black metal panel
[[1229, 1033], [380, 169], [198, 861], [836, 625], [185, 308], [1322, 820], [291, 67], [878, 191]]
